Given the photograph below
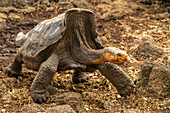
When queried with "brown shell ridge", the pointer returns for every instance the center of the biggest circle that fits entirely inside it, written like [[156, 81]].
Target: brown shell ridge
[[43, 35]]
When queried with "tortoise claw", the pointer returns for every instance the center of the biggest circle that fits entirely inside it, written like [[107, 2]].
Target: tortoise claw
[[40, 97], [127, 90], [11, 72]]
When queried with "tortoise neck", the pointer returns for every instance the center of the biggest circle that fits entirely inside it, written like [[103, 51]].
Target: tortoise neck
[[104, 57], [80, 42], [91, 56]]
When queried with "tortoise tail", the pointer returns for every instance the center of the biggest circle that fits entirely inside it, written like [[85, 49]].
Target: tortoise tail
[[21, 38]]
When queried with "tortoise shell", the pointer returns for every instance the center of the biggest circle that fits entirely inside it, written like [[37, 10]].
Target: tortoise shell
[[50, 31]]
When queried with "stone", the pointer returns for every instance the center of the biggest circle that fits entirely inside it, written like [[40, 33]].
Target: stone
[[4, 3], [13, 3], [146, 69], [28, 10], [155, 79], [3, 111], [148, 2], [146, 48], [64, 5], [7, 98], [32, 108], [132, 111], [112, 107], [8, 9], [2, 15], [2, 20], [161, 16], [159, 81], [14, 16], [61, 109], [117, 9], [9, 82], [71, 98], [166, 60]]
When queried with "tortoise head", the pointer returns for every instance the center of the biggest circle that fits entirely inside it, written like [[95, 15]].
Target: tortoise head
[[115, 55]]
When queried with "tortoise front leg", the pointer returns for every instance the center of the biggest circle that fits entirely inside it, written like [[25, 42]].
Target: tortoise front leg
[[117, 77], [46, 72]]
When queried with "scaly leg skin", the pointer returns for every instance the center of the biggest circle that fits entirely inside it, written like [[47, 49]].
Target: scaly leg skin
[[15, 68], [79, 77], [46, 73], [117, 77]]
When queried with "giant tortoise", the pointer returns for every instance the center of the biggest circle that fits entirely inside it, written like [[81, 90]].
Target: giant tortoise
[[68, 41]]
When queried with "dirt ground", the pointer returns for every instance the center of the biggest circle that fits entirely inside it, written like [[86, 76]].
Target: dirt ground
[[119, 24]]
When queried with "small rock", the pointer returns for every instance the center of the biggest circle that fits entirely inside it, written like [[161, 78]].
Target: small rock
[[32, 108], [2, 15], [13, 3], [3, 111], [8, 10], [118, 96], [122, 47], [103, 38], [14, 17], [148, 2], [28, 10], [1, 95], [159, 81], [117, 9], [61, 109], [9, 82], [49, 9], [162, 16], [155, 78], [67, 4], [146, 69], [46, 2], [132, 111], [2, 20], [166, 60], [146, 47], [112, 107], [7, 98], [70, 98]]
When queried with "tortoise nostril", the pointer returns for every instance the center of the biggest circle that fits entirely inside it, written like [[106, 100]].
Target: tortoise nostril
[[118, 54]]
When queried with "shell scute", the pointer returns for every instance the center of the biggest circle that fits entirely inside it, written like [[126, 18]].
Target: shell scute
[[43, 35]]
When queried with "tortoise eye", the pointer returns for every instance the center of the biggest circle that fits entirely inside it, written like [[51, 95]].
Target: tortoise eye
[[118, 54]]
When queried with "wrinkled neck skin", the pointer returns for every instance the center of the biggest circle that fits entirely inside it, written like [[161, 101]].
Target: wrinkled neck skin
[[79, 41]]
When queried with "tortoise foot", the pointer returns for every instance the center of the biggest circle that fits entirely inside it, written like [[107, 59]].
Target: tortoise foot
[[127, 90], [11, 72], [80, 77], [40, 96]]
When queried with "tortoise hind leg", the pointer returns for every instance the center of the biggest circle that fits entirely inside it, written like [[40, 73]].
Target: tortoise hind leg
[[15, 68], [79, 77], [45, 74]]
